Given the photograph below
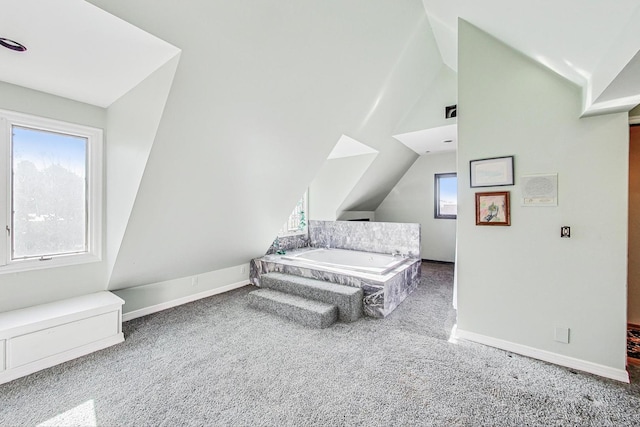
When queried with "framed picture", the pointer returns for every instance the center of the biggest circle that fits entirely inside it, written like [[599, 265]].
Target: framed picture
[[539, 190], [492, 172], [493, 208]]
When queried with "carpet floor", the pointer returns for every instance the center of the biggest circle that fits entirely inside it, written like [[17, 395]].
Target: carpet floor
[[218, 362]]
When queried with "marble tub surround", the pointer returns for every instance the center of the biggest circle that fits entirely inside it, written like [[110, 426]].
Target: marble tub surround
[[287, 243], [381, 293], [380, 237]]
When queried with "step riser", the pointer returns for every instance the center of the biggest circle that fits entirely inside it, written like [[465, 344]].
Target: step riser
[[349, 306], [300, 315]]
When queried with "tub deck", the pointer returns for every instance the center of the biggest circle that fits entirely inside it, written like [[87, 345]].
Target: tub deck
[[365, 262]]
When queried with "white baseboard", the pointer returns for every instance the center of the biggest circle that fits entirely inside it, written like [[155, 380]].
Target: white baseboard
[[547, 356], [184, 300], [21, 371]]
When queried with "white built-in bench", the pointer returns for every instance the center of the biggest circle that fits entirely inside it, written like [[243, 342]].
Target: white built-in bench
[[42, 336]]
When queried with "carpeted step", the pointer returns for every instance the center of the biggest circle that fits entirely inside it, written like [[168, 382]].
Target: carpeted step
[[347, 298], [315, 314]]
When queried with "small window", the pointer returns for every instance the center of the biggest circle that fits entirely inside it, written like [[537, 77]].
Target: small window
[[446, 195], [297, 221], [51, 183]]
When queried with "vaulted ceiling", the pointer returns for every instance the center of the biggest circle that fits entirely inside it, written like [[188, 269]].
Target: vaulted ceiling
[[75, 50], [236, 105], [594, 44], [82, 48]]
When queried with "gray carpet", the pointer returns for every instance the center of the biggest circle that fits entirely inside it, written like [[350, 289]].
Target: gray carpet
[[218, 362]]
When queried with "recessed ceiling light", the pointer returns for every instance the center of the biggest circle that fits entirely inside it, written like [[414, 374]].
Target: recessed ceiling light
[[12, 44]]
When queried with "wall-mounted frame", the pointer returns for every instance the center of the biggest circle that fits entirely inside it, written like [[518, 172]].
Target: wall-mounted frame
[[493, 172], [492, 208], [539, 190]]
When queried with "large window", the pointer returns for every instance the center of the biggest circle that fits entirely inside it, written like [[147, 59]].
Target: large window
[[51, 184], [446, 195]]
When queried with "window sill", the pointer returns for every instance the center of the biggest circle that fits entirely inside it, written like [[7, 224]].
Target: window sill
[[58, 261]]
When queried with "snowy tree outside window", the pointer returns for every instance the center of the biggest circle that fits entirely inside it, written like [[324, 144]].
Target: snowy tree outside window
[[51, 186], [297, 221], [49, 193]]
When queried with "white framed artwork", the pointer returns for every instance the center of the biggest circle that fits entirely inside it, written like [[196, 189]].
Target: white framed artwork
[[539, 190]]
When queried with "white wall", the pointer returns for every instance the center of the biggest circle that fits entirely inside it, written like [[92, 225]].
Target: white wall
[[517, 283], [260, 95], [333, 183], [202, 182], [414, 69], [633, 275], [428, 112], [23, 289], [153, 297], [132, 123], [412, 200]]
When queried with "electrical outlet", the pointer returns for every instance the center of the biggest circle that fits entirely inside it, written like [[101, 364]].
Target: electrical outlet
[[243, 269], [194, 281], [561, 334]]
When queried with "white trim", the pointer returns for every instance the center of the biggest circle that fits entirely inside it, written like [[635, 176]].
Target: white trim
[[5, 184], [21, 371], [634, 120], [547, 356], [184, 300], [56, 261], [94, 190]]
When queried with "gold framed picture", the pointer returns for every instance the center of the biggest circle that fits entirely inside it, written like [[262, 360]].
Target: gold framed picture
[[492, 208]]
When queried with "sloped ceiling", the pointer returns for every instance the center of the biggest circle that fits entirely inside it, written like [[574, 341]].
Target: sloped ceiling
[[76, 50], [426, 129], [332, 184], [416, 67], [262, 92], [589, 43], [348, 147], [132, 124], [594, 45], [263, 89]]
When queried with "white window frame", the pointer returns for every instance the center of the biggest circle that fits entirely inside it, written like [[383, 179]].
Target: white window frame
[[94, 191], [285, 231]]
